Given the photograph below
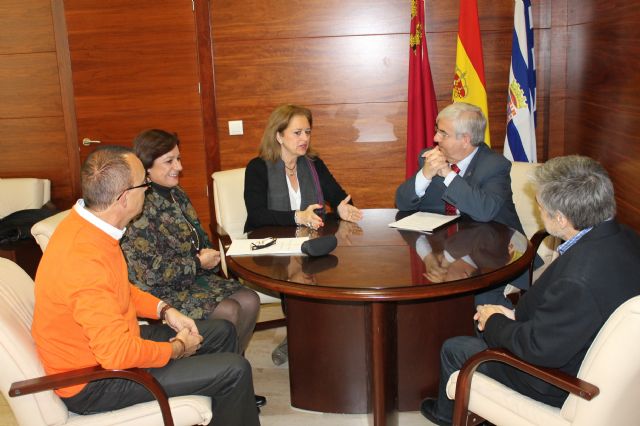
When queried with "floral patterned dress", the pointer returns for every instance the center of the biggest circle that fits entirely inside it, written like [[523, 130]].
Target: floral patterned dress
[[160, 247]]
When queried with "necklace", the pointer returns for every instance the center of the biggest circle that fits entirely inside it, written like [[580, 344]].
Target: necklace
[[291, 170]]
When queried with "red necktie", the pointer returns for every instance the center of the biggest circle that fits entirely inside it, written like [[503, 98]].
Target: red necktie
[[450, 209]]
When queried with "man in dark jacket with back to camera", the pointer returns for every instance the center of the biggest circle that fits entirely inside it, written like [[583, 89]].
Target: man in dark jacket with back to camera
[[556, 321]]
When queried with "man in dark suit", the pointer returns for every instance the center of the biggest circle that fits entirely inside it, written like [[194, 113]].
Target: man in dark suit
[[482, 187], [462, 175], [556, 321]]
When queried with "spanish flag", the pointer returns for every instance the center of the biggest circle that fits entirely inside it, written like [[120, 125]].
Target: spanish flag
[[469, 84]]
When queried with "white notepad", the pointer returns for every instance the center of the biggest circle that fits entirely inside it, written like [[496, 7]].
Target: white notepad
[[423, 221], [282, 246]]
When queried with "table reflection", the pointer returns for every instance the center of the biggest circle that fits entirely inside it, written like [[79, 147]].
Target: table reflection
[[373, 255], [462, 250], [297, 269]]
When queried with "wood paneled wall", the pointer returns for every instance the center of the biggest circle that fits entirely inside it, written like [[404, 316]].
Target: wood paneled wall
[[135, 67], [32, 116], [347, 61], [602, 107]]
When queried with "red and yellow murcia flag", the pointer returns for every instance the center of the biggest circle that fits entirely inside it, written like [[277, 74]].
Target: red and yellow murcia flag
[[422, 107], [469, 84]]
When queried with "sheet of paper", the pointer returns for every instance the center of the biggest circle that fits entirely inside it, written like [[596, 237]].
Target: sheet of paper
[[423, 221], [282, 246]]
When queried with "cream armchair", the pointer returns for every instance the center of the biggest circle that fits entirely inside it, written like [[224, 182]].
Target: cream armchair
[[606, 391], [22, 194], [524, 198], [231, 213], [228, 201], [29, 392], [43, 230]]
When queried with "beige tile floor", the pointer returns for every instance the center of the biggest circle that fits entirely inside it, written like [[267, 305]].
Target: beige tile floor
[[273, 382], [6, 416]]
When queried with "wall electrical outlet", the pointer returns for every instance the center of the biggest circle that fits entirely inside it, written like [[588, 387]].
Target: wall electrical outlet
[[235, 128]]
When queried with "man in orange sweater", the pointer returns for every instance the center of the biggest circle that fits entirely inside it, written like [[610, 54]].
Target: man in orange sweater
[[86, 310]]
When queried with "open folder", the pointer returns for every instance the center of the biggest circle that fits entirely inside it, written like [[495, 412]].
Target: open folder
[[423, 221], [281, 246]]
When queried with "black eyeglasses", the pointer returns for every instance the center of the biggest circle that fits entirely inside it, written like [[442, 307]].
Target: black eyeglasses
[[263, 244], [146, 184]]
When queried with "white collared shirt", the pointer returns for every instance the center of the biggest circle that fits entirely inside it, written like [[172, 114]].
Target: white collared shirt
[[422, 183], [295, 197], [109, 229]]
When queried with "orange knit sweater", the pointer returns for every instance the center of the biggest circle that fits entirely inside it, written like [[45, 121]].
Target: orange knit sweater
[[86, 309]]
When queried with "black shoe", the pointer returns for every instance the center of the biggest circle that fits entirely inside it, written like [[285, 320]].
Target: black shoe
[[261, 401], [428, 409]]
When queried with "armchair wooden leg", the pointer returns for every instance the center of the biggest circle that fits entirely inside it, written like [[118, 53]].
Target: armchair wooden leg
[[473, 419]]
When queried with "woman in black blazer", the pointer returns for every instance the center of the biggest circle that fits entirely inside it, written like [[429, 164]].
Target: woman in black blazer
[[288, 184]]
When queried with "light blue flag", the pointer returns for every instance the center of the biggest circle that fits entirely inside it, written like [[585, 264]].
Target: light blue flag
[[520, 143]]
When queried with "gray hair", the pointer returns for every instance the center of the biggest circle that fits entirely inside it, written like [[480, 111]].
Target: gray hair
[[578, 187], [105, 174], [467, 119]]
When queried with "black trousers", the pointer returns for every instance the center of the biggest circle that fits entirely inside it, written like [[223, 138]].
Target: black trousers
[[457, 350], [216, 370]]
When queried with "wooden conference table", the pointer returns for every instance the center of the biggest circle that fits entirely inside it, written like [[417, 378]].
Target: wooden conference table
[[366, 323]]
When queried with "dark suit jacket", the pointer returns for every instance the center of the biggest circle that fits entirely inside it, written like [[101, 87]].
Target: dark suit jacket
[[256, 190], [484, 193], [559, 317]]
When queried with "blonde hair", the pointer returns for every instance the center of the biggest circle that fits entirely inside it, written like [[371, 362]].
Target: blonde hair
[[278, 122]]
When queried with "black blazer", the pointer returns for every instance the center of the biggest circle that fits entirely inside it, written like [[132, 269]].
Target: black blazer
[[256, 189], [560, 316], [484, 193]]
